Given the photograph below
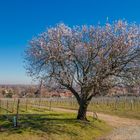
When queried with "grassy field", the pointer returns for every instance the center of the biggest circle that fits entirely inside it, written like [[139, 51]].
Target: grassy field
[[40, 124]]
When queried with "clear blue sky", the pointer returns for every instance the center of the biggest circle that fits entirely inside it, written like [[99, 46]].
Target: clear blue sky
[[20, 20]]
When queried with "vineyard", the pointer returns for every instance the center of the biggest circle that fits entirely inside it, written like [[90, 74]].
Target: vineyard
[[122, 106]]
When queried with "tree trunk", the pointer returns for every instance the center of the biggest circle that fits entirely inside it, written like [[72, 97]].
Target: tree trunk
[[82, 111]]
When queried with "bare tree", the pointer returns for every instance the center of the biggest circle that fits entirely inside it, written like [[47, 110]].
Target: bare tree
[[86, 60]]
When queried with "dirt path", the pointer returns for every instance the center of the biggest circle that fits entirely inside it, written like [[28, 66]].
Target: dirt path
[[124, 128]]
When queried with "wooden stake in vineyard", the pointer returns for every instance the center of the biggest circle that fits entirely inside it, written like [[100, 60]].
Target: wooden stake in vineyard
[[17, 114], [0, 106], [7, 106], [26, 105], [13, 108]]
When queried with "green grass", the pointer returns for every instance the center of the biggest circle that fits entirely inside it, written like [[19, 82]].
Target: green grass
[[40, 124]]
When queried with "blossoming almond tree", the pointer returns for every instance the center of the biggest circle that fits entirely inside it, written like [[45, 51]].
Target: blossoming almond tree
[[87, 60]]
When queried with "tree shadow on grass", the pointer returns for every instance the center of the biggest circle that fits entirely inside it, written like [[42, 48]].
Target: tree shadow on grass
[[39, 124]]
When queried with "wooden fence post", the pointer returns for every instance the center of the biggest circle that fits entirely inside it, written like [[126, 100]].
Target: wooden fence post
[[7, 106], [0, 106], [13, 106], [26, 104], [17, 113]]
